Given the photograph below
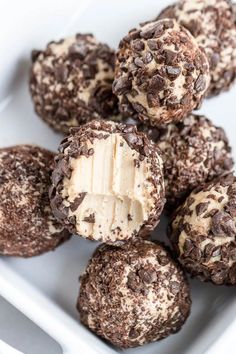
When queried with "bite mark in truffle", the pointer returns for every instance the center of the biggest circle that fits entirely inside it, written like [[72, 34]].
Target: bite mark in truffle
[[121, 182]]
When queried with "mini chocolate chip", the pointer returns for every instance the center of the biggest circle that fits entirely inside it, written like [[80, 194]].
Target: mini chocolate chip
[[170, 56], [159, 30], [78, 50], [201, 208], [223, 224], [172, 102], [173, 71], [153, 100], [152, 44], [157, 83], [77, 201], [147, 57], [122, 86], [61, 73], [200, 83], [138, 45], [148, 275], [90, 219], [138, 62], [174, 287], [133, 282]]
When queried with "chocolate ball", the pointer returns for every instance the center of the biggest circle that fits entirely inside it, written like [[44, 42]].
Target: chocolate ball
[[108, 182], [133, 294], [161, 74], [71, 82], [213, 24], [193, 151], [28, 227], [203, 231]]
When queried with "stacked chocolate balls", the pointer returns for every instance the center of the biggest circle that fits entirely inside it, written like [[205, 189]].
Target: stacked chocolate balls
[[132, 149]]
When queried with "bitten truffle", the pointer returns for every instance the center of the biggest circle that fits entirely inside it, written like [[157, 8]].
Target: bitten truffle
[[203, 232], [108, 182], [133, 294], [27, 225], [71, 82], [161, 74], [193, 151], [213, 24]]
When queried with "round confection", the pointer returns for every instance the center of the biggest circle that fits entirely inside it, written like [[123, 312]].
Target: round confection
[[203, 231], [133, 294], [193, 151], [27, 225], [71, 82], [108, 182], [161, 74], [212, 23]]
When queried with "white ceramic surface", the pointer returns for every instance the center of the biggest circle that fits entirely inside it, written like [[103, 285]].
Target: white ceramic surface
[[45, 288]]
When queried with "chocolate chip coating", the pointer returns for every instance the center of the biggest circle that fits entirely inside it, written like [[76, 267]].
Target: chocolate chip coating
[[161, 74], [108, 183], [203, 232], [193, 151], [212, 23], [71, 82], [133, 293], [28, 227]]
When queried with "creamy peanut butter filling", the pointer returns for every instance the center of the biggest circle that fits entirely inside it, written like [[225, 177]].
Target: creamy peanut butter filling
[[117, 191]]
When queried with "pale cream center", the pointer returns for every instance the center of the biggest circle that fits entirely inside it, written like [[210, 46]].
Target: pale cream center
[[117, 190]]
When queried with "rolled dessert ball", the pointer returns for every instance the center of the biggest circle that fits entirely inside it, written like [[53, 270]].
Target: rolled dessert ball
[[203, 232], [213, 24], [71, 82], [27, 225], [161, 74], [108, 184], [133, 293], [194, 151]]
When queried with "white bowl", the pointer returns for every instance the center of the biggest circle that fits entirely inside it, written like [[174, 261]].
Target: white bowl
[[45, 288]]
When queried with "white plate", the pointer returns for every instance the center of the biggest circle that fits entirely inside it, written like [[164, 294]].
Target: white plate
[[45, 288]]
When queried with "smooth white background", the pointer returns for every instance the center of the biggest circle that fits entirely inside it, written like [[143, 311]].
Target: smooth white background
[[50, 297]]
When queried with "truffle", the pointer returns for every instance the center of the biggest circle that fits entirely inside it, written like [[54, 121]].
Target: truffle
[[133, 294], [108, 182], [203, 231], [213, 24], [161, 74], [71, 82], [193, 151], [27, 225]]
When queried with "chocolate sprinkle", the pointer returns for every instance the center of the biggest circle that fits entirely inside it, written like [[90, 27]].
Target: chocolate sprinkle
[[209, 251], [154, 82], [214, 28], [71, 82], [28, 227], [133, 293]]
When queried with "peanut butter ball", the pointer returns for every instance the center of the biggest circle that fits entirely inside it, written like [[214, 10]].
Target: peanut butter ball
[[161, 74], [213, 24], [71, 82], [108, 183], [203, 232], [133, 293]]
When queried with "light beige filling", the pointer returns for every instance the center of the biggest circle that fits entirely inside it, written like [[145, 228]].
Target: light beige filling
[[202, 225], [117, 192]]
